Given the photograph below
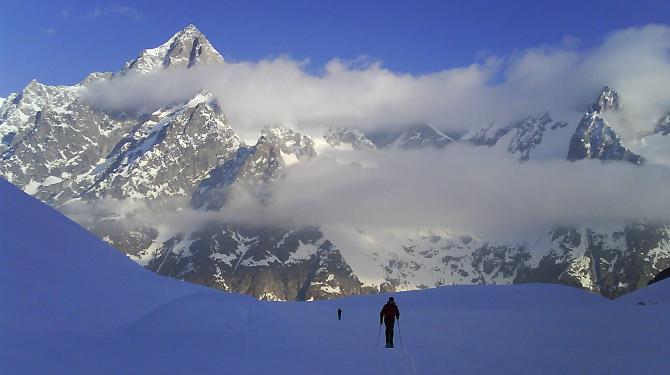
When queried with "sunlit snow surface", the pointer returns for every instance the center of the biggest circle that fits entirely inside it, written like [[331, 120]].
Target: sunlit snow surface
[[73, 305]]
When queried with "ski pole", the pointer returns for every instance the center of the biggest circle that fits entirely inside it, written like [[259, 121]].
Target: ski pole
[[378, 332], [399, 334]]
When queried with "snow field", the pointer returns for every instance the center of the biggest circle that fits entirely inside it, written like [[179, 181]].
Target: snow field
[[73, 305]]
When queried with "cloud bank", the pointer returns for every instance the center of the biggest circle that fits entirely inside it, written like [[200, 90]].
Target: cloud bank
[[465, 189], [560, 79], [460, 188]]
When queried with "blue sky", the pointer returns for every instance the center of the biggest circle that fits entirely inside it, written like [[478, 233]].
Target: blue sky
[[59, 42]]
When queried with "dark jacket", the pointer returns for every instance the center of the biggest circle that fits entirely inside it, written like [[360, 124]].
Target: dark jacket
[[389, 311]]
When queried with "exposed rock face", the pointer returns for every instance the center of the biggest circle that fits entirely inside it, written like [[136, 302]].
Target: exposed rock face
[[595, 139], [346, 137], [146, 162], [255, 167], [269, 263], [413, 137], [186, 157], [290, 142], [610, 263], [432, 260], [526, 134], [660, 276], [53, 141]]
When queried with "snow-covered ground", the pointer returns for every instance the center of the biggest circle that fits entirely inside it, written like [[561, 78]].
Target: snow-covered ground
[[72, 305]]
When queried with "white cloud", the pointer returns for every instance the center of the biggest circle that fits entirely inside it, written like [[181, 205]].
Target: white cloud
[[459, 188], [640, 61], [98, 12], [120, 10], [465, 189], [559, 79]]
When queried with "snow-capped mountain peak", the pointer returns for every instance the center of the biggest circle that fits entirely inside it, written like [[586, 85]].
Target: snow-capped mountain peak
[[95, 77], [595, 138], [353, 138], [292, 145], [608, 99], [521, 137], [187, 48], [411, 137]]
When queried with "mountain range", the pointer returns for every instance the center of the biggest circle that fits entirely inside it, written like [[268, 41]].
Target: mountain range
[[61, 149]]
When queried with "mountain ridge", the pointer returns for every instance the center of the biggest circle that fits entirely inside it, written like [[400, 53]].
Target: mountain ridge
[[186, 156]]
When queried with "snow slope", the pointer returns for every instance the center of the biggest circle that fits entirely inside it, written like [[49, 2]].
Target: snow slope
[[71, 304], [657, 294]]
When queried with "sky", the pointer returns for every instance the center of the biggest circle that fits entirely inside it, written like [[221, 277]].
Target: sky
[[60, 42]]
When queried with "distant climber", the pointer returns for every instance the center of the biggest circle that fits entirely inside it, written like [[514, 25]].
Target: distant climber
[[388, 315], [339, 314]]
